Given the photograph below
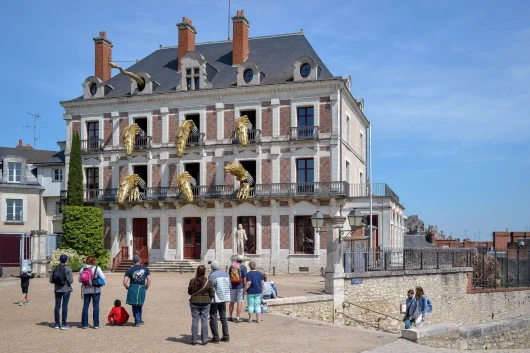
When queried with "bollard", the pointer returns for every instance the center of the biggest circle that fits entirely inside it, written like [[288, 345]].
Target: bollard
[[274, 270], [322, 271]]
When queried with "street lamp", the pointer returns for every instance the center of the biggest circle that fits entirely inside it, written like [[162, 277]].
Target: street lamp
[[355, 219]]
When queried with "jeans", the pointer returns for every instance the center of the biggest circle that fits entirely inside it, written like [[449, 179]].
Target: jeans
[[64, 297], [95, 305], [409, 322], [137, 313], [221, 308], [199, 312], [254, 303]]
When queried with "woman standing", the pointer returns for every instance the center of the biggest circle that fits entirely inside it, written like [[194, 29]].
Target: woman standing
[[87, 275], [254, 289], [202, 292], [421, 307]]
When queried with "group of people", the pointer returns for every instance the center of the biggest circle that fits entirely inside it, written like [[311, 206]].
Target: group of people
[[208, 295], [136, 280], [417, 306]]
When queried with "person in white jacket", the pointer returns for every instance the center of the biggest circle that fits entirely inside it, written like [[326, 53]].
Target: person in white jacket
[[221, 286], [90, 293]]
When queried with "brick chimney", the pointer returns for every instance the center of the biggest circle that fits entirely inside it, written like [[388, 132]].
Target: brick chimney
[[103, 56], [240, 42], [187, 35], [21, 145]]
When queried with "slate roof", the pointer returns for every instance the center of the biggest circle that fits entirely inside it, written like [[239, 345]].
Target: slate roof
[[34, 156], [274, 56], [416, 241]]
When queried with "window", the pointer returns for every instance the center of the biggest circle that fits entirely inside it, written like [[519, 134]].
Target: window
[[248, 75], [305, 117], [304, 238], [57, 175], [348, 127], [141, 170], [93, 135], [15, 172], [305, 170], [249, 225], [361, 145], [92, 178], [348, 175], [195, 171], [305, 70], [58, 208], [193, 79], [93, 88], [14, 210]]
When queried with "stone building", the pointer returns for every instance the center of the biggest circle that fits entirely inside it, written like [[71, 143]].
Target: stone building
[[306, 152]]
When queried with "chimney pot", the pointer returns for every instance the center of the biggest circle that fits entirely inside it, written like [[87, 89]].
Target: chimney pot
[[103, 54], [186, 40], [240, 41], [242, 13], [20, 142]]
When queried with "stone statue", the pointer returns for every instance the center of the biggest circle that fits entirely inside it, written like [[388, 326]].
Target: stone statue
[[242, 125], [431, 230], [241, 174], [129, 136], [129, 188], [185, 181], [241, 238], [183, 133]]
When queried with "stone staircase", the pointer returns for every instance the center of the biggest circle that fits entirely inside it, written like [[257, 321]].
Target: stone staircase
[[124, 266], [174, 266]]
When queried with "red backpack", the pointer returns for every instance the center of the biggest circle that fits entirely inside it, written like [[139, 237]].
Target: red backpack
[[87, 276]]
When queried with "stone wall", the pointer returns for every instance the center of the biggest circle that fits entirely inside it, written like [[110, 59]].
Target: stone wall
[[448, 290], [317, 307]]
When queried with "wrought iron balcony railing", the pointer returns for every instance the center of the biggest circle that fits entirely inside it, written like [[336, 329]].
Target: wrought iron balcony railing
[[142, 142], [378, 189], [195, 139], [254, 136], [304, 133], [321, 189], [91, 145]]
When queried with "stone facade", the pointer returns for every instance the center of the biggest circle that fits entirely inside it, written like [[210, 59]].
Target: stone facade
[[172, 232], [107, 130], [317, 307], [156, 232]]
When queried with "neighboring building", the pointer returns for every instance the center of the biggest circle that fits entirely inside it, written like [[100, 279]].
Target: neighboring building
[[307, 149], [501, 239]]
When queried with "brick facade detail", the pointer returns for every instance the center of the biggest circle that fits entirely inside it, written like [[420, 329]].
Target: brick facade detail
[[155, 226], [76, 127], [285, 120], [122, 232], [228, 232], [285, 170], [156, 175], [228, 123], [107, 235], [210, 173], [266, 171], [325, 117], [325, 169], [284, 232], [172, 232], [123, 124], [107, 131], [210, 232], [107, 177], [173, 124], [265, 232], [229, 178], [173, 176], [266, 121], [123, 171], [157, 129], [211, 126]]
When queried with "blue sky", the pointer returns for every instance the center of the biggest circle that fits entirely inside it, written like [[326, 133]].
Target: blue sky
[[445, 83]]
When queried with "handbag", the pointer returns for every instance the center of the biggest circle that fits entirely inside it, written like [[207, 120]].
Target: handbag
[[200, 290], [96, 281]]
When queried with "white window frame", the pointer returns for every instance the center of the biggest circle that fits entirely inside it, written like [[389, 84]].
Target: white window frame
[[347, 169], [195, 73], [12, 177], [14, 207], [54, 174]]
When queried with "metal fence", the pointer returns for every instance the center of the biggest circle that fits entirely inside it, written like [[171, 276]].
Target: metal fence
[[492, 269], [390, 259]]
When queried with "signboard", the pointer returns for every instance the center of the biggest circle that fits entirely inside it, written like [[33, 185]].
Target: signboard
[[356, 281]]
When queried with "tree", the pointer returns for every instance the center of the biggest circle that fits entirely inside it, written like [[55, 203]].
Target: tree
[[75, 174], [83, 232]]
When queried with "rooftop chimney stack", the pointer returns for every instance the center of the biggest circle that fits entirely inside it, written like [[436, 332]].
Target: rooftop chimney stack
[[103, 56], [240, 35], [187, 35]]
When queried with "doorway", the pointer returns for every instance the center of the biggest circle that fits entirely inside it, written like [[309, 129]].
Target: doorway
[[195, 171], [250, 167], [192, 238], [249, 225], [139, 233], [141, 170]]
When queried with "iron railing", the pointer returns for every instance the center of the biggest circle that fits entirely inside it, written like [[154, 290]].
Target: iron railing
[[304, 133], [390, 259], [91, 145], [320, 189], [378, 189], [123, 254], [195, 139], [142, 142], [212, 191], [254, 136], [495, 269]]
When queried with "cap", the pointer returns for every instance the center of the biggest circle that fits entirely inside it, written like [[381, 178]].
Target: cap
[[63, 258], [239, 258], [136, 258], [214, 265]]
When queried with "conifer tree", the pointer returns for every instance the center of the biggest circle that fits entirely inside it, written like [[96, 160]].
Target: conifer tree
[[75, 174]]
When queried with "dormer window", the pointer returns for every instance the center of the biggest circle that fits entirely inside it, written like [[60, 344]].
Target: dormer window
[[15, 172], [93, 88], [193, 79], [193, 72], [305, 70], [248, 75]]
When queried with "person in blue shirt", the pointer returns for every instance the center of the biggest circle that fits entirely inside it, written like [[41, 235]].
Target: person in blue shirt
[[410, 309], [137, 280], [254, 289]]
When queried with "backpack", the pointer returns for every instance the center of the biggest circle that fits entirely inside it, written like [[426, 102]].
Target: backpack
[[235, 275], [87, 276], [429, 305], [59, 275]]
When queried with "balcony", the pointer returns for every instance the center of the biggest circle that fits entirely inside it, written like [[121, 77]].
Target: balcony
[[195, 139], [254, 136], [92, 145], [294, 190], [378, 190], [142, 142], [212, 192], [301, 133]]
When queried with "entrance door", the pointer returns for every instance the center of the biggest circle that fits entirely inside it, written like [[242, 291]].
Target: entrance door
[[140, 238], [192, 238]]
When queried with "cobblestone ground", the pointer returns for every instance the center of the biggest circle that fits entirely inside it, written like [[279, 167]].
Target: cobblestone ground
[[403, 346]]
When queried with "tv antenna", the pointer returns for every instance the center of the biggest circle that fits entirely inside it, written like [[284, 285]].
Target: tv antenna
[[34, 126]]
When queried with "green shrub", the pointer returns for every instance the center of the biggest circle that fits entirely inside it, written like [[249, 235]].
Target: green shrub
[[83, 232], [75, 261]]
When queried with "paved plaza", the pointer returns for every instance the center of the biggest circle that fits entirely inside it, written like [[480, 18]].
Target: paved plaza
[[167, 323]]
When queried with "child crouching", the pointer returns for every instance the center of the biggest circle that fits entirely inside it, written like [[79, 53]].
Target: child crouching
[[118, 315]]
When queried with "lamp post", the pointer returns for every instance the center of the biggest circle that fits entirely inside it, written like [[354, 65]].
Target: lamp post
[[355, 219]]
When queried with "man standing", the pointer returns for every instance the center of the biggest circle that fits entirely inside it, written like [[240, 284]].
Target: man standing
[[137, 280], [221, 286], [62, 279], [238, 278]]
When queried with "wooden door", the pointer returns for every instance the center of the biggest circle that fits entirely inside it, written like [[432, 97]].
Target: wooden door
[[192, 238], [140, 237]]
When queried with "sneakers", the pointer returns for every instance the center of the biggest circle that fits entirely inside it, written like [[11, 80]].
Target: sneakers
[[20, 304], [96, 327], [65, 327], [57, 326], [84, 327], [225, 339], [27, 303], [136, 325]]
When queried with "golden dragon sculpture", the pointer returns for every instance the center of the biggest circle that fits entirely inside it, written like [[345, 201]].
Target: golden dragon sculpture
[[129, 136], [129, 188], [139, 81], [185, 181], [183, 133], [242, 125], [242, 175]]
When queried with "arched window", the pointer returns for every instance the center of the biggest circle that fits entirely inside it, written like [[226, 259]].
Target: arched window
[[305, 70], [248, 75]]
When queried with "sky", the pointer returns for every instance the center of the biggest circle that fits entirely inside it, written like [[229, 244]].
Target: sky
[[446, 85]]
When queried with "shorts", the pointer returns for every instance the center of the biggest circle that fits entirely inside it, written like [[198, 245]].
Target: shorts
[[254, 303], [25, 290], [237, 296]]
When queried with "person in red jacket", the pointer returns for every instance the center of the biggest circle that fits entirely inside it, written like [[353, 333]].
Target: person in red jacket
[[118, 315]]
